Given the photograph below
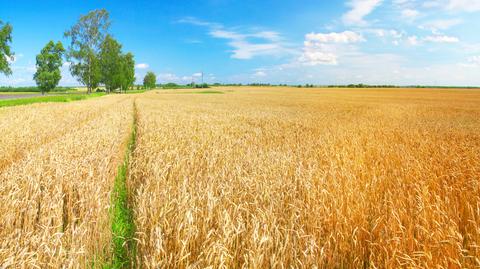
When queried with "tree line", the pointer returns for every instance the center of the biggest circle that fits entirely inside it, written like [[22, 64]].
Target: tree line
[[94, 57]]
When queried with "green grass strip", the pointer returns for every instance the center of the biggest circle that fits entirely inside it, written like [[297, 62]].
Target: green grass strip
[[123, 227], [47, 99]]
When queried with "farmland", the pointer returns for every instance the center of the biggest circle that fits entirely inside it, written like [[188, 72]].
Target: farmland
[[232, 177]]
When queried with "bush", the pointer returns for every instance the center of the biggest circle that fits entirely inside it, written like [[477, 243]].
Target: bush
[[171, 86]]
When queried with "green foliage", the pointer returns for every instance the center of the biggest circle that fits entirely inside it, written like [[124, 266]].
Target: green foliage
[[47, 99], [198, 86], [150, 80], [49, 62], [86, 37], [127, 72], [172, 86], [111, 63], [123, 227], [188, 86], [5, 50]]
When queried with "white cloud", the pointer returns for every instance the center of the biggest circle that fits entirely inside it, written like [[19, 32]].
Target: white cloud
[[14, 58], [343, 37], [226, 34], [473, 61], [322, 49], [413, 40], [195, 77], [260, 73], [410, 13], [315, 56], [393, 35], [168, 77], [464, 5], [142, 66], [441, 39], [359, 10], [244, 49], [245, 44], [441, 24]]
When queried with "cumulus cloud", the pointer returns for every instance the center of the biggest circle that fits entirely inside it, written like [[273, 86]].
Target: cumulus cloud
[[321, 49], [343, 37], [441, 39], [142, 66], [316, 55], [359, 10]]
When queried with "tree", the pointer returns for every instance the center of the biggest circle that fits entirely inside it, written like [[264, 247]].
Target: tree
[[86, 37], [49, 62], [111, 62], [5, 51], [150, 80], [128, 71]]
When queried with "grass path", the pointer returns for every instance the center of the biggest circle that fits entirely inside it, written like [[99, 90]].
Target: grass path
[[123, 228]]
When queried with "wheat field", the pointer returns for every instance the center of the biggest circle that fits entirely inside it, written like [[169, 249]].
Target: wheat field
[[327, 178], [245, 177], [58, 165]]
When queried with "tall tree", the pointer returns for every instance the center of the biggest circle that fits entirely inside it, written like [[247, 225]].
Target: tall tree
[[86, 37], [150, 80], [111, 61], [49, 62], [5, 51], [128, 71]]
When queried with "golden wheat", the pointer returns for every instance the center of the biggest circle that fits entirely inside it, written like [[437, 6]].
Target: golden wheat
[[252, 178], [330, 178], [55, 190], [25, 128]]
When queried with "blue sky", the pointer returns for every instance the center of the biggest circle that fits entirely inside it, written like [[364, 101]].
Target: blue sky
[[402, 42]]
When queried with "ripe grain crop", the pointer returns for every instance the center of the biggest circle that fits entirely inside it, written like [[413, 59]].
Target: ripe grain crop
[[327, 178], [55, 195], [25, 128]]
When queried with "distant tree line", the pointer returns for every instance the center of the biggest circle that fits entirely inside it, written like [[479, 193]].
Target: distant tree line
[[187, 86], [361, 86], [396, 86]]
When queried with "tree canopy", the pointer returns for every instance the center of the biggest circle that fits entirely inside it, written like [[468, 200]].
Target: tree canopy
[[49, 62], [128, 71], [86, 37], [5, 51], [150, 80], [117, 69], [111, 63]]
